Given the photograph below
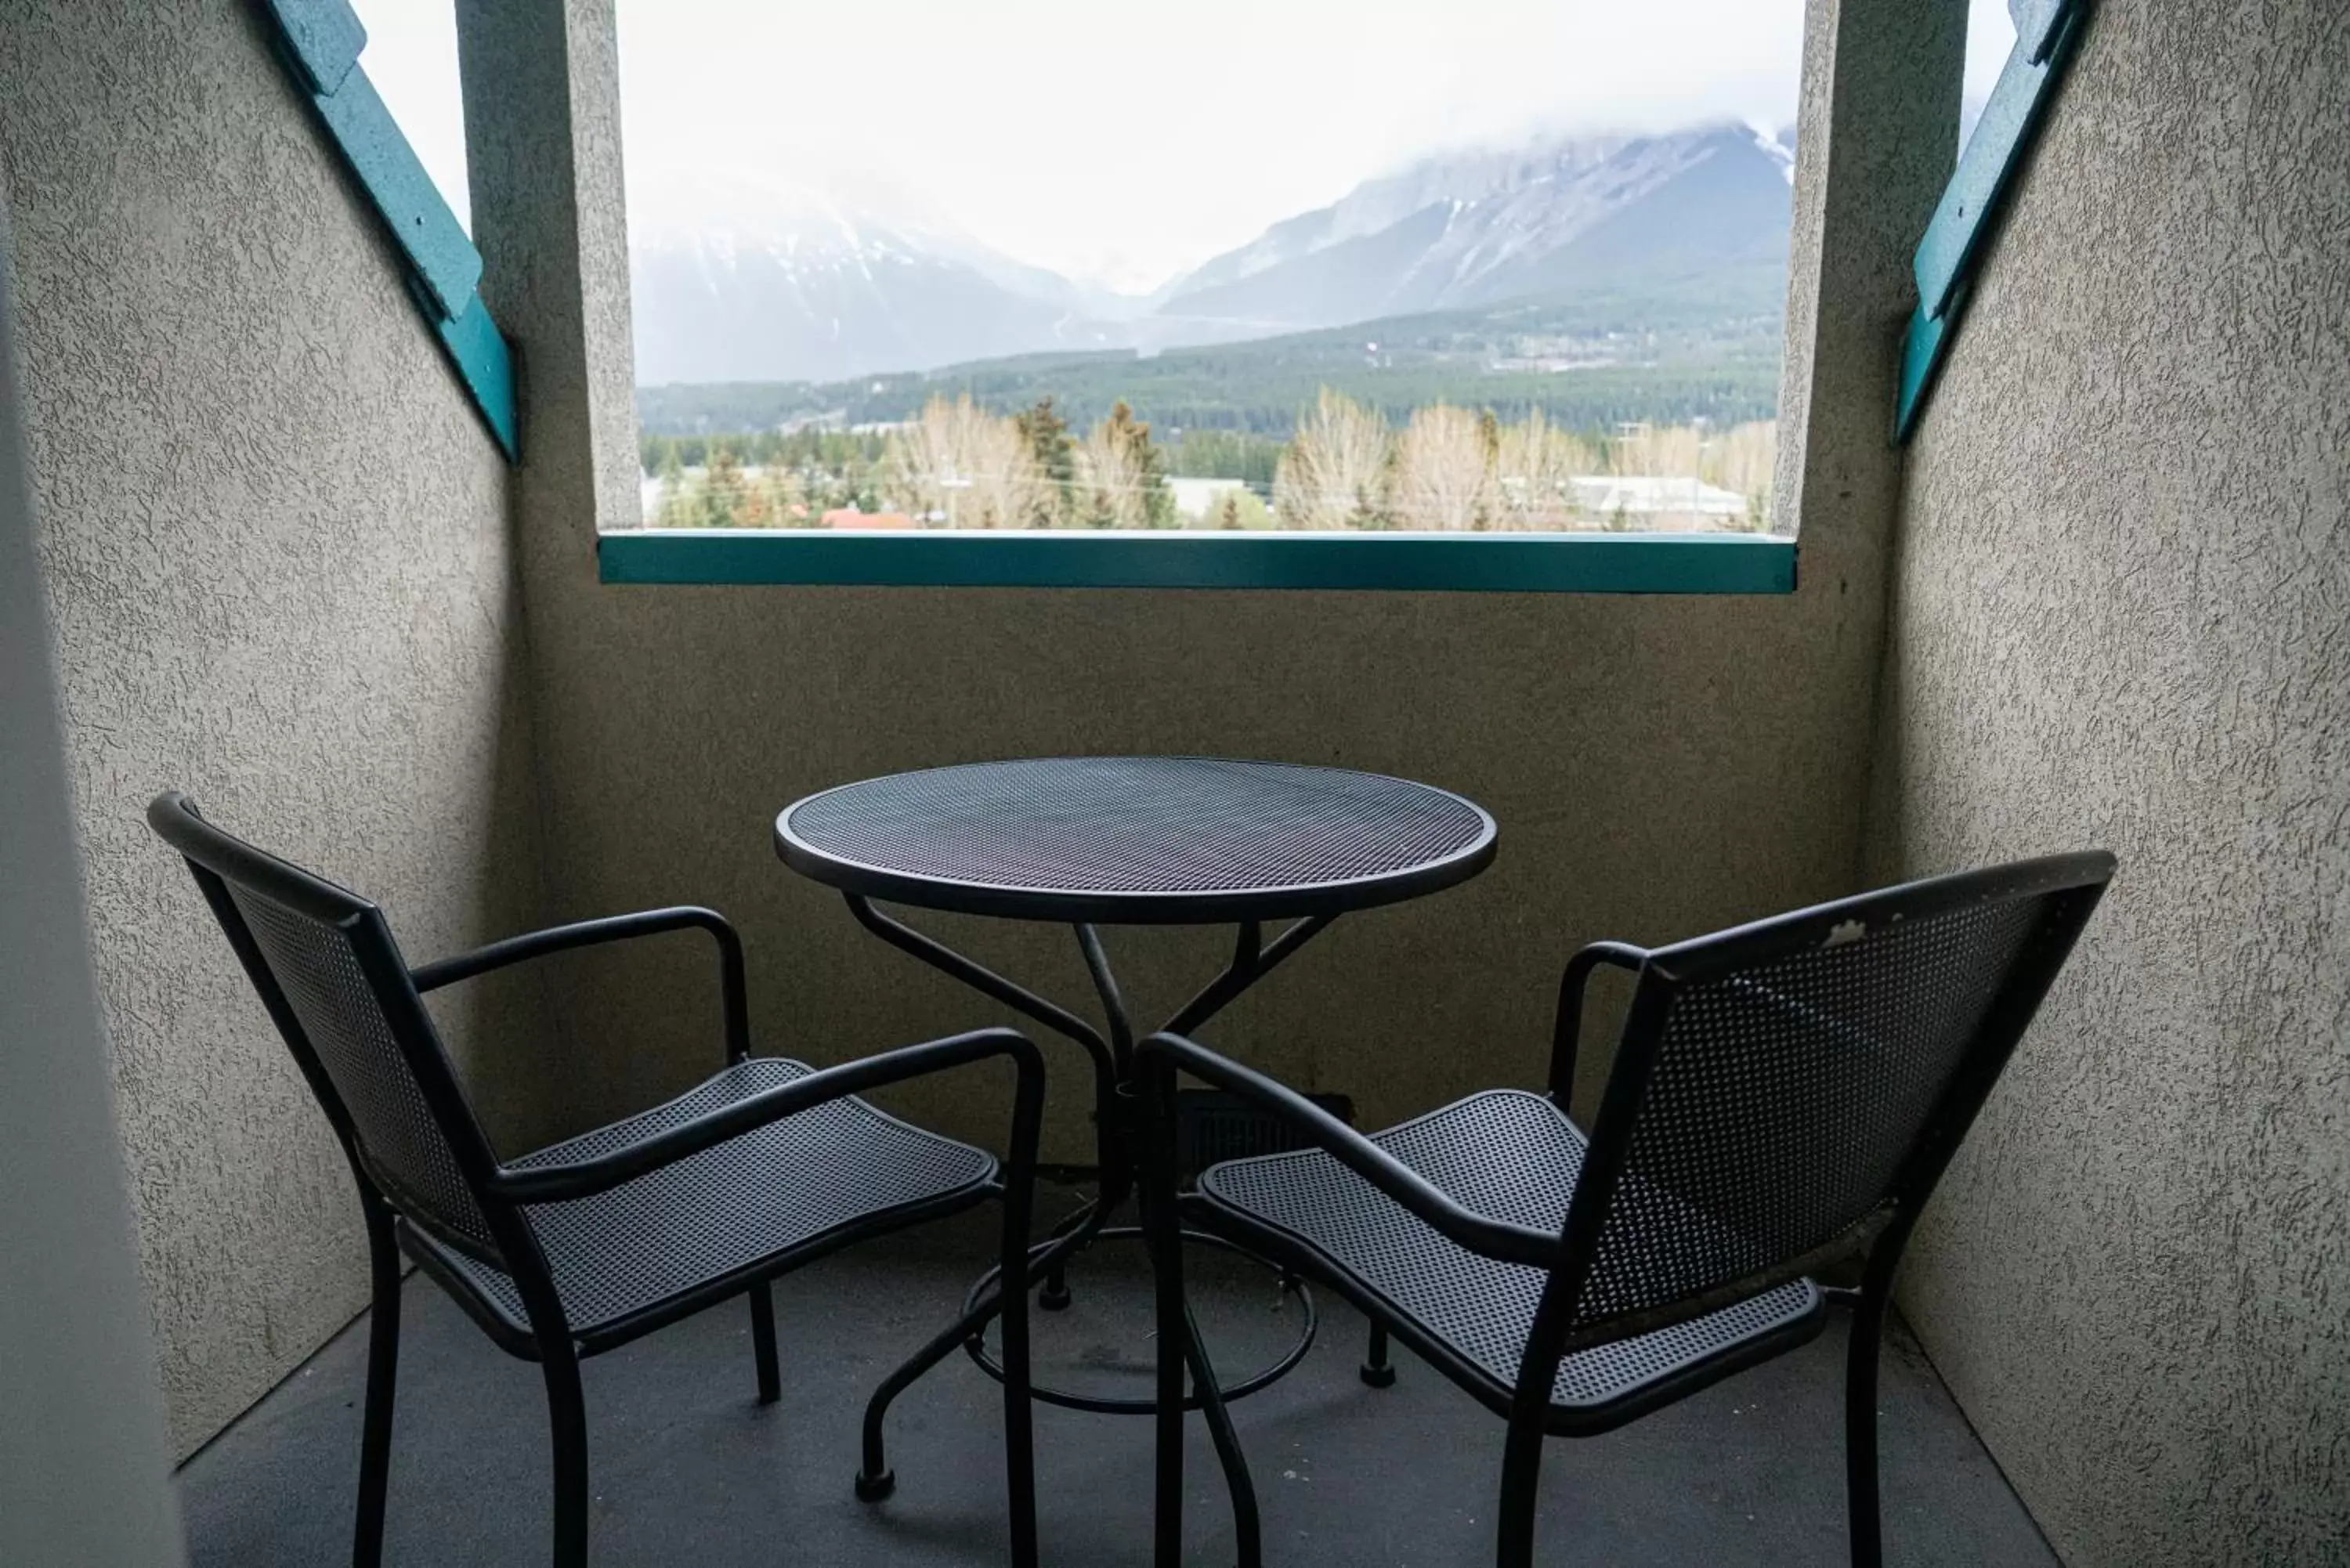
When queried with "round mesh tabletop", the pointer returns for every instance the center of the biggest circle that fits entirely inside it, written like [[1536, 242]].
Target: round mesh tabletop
[[1141, 840]]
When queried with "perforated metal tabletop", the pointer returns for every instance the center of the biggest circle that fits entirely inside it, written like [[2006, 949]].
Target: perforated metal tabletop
[[1136, 840]]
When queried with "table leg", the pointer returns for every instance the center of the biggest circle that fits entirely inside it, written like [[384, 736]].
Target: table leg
[[1247, 1530], [1180, 1346], [1162, 1226], [875, 1479], [1135, 1135]]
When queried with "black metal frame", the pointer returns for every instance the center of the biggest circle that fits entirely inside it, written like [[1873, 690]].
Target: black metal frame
[[1124, 1128], [1129, 1125], [501, 1192], [1102, 907], [2070, 886]]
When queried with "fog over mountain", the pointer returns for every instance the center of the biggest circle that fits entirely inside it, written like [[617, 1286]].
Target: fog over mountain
[[802, 286]]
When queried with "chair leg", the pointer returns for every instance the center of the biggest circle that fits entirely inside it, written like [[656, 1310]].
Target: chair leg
[[1019, 1408], [763, 1341], [1520, 1469], [1377, 1371], [568, 1416], [1860, 1431], [383, 1365]]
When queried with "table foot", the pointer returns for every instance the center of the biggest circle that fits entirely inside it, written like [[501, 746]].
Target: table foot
[[875, 1479], [1104, 1405]]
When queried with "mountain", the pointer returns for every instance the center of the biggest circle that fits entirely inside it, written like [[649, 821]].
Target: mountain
[[1590, 359], [804, 285], [807, 286], [1472, 229]]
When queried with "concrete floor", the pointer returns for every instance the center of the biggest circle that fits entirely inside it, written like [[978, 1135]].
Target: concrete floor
[[686, 1468]]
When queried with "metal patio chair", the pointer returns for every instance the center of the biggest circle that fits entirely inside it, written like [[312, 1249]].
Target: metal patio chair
[[587, 1244], [1784, 1097]]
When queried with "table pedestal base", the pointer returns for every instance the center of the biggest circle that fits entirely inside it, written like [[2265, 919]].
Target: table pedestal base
[[1128, 1138], [1105, 1404]]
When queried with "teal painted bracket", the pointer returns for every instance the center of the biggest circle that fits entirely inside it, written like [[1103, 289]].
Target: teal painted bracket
[[325, 41], [428, 232], [1959, 235], [1489, 563], [321, 41], [486, 366]]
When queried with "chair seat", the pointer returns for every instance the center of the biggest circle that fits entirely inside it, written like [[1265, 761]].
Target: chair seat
[[619, 1257], [1514, 1157]]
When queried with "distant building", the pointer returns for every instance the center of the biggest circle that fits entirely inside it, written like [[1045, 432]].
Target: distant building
[[1648, 496], [850, 517], [1198, 497]]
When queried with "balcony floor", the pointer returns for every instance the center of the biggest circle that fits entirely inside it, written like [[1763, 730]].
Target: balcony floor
[[687, 1470]]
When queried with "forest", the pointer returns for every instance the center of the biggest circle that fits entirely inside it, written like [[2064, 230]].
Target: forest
[[1663, 355], [1345, 465]]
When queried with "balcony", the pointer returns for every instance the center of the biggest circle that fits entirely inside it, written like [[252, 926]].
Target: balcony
[[692, 1472]]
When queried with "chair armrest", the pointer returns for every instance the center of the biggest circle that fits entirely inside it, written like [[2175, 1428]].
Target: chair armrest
[[1478, 1232], [612, 928], [1568, 1030], [585, 1178]]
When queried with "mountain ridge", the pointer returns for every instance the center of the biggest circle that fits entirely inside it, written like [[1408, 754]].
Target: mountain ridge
[[817, 290], [1502, 226]]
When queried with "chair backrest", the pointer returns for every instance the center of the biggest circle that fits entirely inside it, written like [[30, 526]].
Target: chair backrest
[[332, 978], [1785, 1091]]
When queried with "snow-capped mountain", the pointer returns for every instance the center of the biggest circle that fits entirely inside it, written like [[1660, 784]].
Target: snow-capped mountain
[[1475, 228], [801, 285]]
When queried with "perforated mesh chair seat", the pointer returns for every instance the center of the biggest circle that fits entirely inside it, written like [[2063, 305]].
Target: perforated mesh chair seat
[[585, 1244], [1783, 1098], [780, 1188], [1513, 1157]]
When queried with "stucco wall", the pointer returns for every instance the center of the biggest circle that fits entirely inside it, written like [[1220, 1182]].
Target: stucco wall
[[1660, 766], [2122, 618], [275, 542]]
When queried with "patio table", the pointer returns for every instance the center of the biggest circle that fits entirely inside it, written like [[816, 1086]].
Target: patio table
[[1095, 841]]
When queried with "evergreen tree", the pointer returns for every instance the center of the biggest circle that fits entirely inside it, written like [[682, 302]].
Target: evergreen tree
[[1156, 503], [1047, 436], [675, 508], [1121, 477], [757, 508], [723, 490]]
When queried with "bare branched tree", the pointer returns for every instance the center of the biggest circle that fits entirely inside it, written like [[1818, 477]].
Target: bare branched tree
[[1118, 481], [1335, 472], [1745, 458], [1537, 460], [1658, 451], [1445, 474], [959, 466]]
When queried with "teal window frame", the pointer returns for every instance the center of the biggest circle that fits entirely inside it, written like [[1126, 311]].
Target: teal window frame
[[1959, 238], [320, 42], [1595, 562]]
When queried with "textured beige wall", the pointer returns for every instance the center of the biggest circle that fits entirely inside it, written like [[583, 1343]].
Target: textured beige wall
[[275, 542], [1659, 765], [2123, 618]]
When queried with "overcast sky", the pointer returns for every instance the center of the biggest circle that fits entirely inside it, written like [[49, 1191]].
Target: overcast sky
[[1122, 144]]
